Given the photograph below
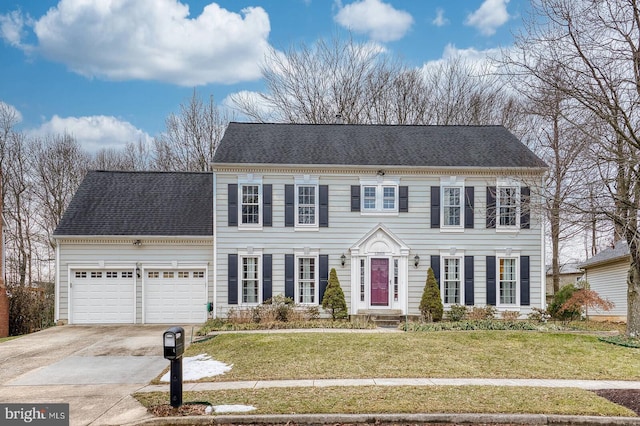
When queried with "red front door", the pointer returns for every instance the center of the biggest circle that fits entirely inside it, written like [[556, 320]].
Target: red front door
[[380, 282]]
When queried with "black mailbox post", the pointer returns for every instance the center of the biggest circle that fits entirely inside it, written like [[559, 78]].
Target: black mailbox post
[[173, 342]]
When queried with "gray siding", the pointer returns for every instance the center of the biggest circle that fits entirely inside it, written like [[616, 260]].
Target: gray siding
[[610, 281], [346, 228]]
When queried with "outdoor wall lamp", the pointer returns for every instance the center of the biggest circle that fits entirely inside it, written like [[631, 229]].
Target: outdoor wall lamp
[[416, 260], [137, 243], [343, 259]]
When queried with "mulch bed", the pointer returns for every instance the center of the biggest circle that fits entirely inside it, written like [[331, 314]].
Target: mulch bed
[[629, 398]]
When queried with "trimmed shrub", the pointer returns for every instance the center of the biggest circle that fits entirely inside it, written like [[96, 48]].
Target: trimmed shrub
[[431, 304], [539, 315], [456, 313], [481, 313], [333, 299], [509, 315]]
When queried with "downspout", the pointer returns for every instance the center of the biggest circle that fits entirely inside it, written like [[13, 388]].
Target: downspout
[[56, 315], [215, 248], [543, 263]]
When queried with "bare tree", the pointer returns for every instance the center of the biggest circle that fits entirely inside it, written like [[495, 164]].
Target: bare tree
[[133, 157], [595, 48], [191, 137]]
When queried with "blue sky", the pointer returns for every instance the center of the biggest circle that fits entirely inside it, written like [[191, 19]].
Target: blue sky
[[111, 71]]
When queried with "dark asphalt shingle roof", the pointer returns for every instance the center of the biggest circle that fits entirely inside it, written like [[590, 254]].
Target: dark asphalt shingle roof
[[374, 145], [619, 251], [141, 203]]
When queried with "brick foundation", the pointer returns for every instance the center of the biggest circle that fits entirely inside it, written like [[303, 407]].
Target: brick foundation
[[4, 312]]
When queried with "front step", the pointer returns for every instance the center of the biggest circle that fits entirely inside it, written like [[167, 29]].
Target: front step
[[388, 318]]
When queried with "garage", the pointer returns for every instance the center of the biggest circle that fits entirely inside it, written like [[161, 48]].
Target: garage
[[175, 296], [102, 296]]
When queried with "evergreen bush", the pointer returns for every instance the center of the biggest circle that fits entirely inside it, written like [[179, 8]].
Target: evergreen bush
[[559, 299], [456, 313], [333, 299], [431, 304]]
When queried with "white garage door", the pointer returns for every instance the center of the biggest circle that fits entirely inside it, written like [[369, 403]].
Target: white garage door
[[177, 297], [102, 297]]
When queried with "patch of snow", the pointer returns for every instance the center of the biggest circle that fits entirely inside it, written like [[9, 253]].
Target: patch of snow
[[198, 367], [233, 408]]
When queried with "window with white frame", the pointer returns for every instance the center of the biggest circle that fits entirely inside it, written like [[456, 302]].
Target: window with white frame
[[250, 204], [307, 205], [306, 284], [452, 205], [250, 284], [508, 281], [508, 205], [379, 196], [451, 281]]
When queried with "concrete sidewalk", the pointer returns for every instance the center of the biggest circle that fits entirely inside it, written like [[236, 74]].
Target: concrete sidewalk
[[261, 384]]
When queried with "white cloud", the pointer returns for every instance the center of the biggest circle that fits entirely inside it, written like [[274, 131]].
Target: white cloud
[[491, 15], [12, 28], [380, 21], [151, 40], [480, 60], [440, 20], [93, 132]]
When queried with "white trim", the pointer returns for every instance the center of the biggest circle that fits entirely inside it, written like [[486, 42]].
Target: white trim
[[508, 254], [250, 252], [307, 181], [306, 254], [215, 248], [452, 253], [56, 315], [250, 180], [452, 182]]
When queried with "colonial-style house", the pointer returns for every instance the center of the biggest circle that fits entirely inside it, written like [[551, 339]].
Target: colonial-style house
[[380, 204], [285, 203]]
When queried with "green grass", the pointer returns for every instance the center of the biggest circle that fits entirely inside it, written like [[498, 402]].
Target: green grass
[[6, 339], [409, 399], [481, 354]]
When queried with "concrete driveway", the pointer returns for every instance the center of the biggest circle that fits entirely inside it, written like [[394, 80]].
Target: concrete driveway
[[93, 368]]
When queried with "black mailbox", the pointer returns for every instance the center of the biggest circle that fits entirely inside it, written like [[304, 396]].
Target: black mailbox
[[173, 340]]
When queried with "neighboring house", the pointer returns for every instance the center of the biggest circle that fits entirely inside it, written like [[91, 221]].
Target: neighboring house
[[606, 273], [380, 204], [136, 247], [570, 273]]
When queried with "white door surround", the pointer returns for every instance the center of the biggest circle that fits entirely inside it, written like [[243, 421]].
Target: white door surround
[[378, 256]]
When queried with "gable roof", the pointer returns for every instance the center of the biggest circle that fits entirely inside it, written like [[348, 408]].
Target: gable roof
[[374, 145], [140, 203], [620, 251]]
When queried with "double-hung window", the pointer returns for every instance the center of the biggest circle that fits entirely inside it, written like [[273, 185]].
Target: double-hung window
[[379, 196], [307, 205], [250, 279], [250, 202], [452, 281], [307, 280], [452, 205], [508, 280], [508, 204]]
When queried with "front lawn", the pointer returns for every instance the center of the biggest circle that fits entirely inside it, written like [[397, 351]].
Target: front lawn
[[407, 399], [480, 354]]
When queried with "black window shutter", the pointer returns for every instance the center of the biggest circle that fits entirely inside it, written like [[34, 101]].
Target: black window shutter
[[267, 196], [323, 203], [232, 288], [435, 207], [468, 206], [289, 205], [324, 276], [468, 281], [525, 296], [403, 199], [491, 280], [435, 266], [267, 281], [491, 206], [525, 207], [355, 198], [289, 276], [232, 204]]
